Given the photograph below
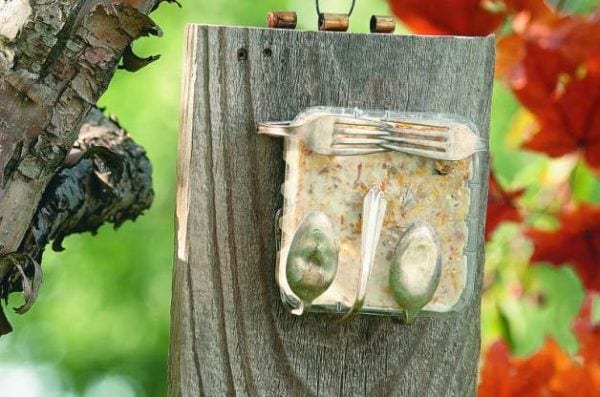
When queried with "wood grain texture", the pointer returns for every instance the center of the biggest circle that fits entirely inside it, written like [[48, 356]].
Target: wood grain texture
[[230, 333]]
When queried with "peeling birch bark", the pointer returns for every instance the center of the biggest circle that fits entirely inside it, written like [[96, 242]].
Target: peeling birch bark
[[56, 59], [53, 71], [106, 179]]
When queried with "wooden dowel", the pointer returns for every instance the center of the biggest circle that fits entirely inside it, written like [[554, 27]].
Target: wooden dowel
[[333, 22], [282, 19], [382, 24]]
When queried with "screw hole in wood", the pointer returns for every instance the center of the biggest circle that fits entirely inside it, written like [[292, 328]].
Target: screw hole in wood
[[242, 54]]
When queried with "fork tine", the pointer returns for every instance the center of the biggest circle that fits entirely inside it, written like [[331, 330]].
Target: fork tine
[[357, 141], [364, 129], [358, 131], [416, 126], [354, 121], [418, 132], [419, 142], [354, 151], [415, 151], [386, 130], [423, 153]]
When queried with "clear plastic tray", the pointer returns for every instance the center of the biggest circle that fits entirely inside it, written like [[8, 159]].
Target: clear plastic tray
[[443, 194]]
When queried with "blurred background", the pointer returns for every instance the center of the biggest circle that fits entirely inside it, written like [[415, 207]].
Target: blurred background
[[100, 326]]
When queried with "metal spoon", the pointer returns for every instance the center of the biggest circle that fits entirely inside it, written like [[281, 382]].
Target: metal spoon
[[312, 259], [415, 269], [374, 206]]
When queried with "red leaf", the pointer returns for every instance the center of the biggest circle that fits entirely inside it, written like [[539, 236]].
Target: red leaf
[[500, 206], [465, 17], [549, 372], [495, 371], [567, 106], [457, 17], [576, 242], [552, 63], [588, 333]]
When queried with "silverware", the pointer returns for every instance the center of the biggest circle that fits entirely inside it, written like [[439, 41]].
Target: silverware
[[415, 269], [453, 142], [374, 206], [321, 133], [333, 134], [312, 259]]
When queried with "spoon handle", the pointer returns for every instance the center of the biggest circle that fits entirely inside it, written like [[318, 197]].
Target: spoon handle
[[374, 206]]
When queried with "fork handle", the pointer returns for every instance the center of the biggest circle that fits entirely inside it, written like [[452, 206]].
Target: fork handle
[[276, 128]]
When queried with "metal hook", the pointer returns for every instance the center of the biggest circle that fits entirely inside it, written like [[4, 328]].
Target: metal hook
[[349, 12]]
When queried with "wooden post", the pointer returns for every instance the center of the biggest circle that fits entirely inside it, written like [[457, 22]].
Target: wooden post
[[230, 333]]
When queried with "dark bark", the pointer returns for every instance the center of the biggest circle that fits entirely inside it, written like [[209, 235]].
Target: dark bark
[[106, 178], [56, 59]]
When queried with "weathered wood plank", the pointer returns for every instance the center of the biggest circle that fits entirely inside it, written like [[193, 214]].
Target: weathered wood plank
[[230, 333]]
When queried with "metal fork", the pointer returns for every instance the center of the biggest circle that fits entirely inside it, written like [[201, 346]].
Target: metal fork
[[321, 133], [341, 135]]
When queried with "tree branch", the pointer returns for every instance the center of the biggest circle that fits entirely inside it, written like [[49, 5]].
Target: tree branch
[[56, 59], [107, 178]]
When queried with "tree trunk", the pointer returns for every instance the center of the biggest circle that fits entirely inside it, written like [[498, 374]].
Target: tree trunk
[[230, 333], [56, 59]]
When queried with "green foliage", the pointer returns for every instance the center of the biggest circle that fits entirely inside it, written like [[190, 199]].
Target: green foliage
[[552, 300], [524, 304]]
